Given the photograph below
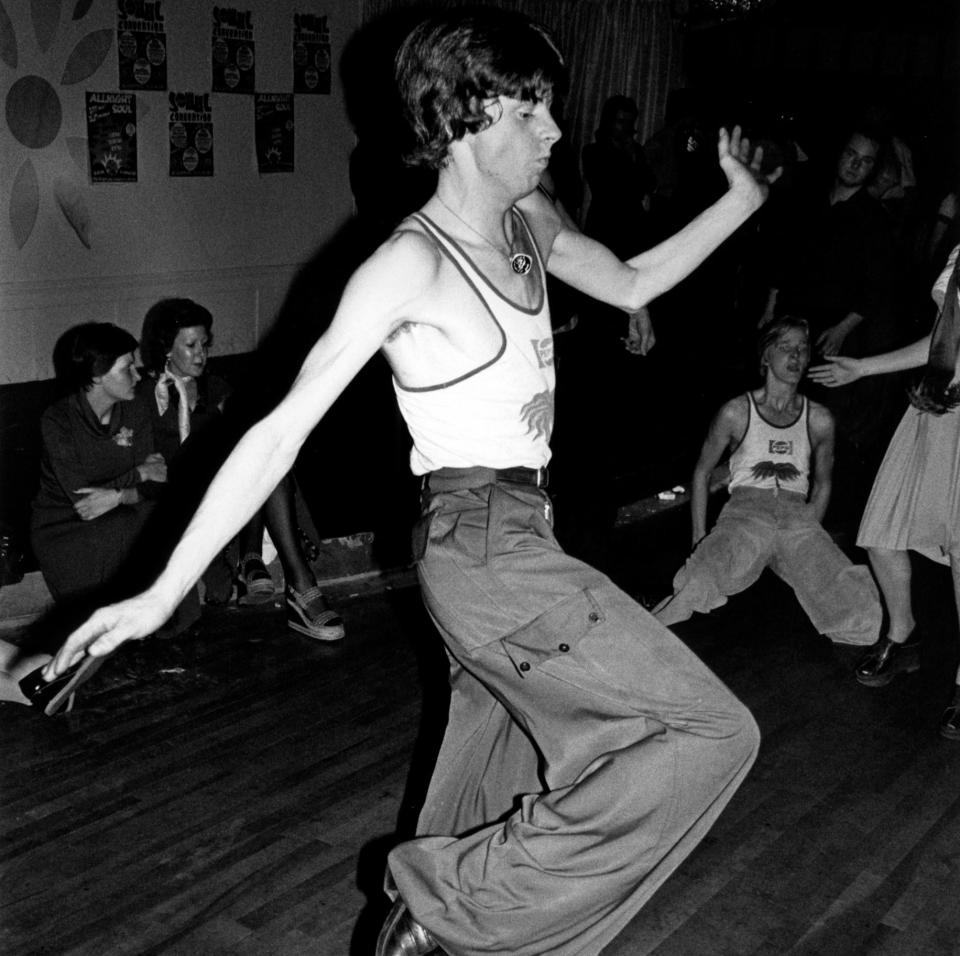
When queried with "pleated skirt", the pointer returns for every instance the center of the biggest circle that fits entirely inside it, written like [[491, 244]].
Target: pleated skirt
[[915, 501]]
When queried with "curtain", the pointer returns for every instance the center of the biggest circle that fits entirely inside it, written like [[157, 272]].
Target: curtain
[[631, 47]]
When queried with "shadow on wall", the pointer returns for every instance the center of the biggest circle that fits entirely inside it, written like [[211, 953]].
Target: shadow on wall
[[354, 469]]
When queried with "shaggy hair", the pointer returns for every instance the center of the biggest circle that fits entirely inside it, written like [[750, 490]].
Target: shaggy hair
[[450, 66], [770, 332]]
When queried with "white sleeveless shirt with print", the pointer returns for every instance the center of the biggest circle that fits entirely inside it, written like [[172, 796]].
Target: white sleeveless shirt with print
[[773, 456], [500, 414]]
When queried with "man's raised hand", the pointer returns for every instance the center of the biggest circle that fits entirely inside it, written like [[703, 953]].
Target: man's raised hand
[[742, 165]]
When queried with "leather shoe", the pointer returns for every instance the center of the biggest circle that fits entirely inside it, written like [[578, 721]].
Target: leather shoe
[[950, 721], [886, 659], [58, 694], [402, 935]]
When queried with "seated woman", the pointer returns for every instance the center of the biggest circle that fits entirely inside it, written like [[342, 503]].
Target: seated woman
[[99, 472], [186, 402], [99, 468]]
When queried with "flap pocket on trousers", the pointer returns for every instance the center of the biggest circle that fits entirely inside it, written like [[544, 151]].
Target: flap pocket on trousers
[[554, 633]]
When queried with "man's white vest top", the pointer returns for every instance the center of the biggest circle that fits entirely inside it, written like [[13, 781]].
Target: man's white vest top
[[773, 456], [500, 414]]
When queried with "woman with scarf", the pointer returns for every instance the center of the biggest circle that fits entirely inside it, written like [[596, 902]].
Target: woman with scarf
[[195, 431], [915, 501]]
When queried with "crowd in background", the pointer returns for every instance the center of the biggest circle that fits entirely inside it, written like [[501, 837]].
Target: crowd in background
[[827, 251]]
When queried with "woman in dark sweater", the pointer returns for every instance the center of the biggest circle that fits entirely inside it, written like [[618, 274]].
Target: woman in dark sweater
[[99, 467]]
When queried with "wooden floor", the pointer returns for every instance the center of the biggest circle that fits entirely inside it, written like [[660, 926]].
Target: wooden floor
[[237, 794]]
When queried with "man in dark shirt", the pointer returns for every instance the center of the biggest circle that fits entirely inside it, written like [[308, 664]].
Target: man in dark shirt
[[838, 269]]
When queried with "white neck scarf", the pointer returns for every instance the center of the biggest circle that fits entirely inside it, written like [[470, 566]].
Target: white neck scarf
[[161, 392]]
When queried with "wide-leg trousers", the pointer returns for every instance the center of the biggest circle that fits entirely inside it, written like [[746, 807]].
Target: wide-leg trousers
[[587, 749], [759, 529]]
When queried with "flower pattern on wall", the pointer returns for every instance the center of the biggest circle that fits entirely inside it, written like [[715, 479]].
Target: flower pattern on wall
[[34, 113]]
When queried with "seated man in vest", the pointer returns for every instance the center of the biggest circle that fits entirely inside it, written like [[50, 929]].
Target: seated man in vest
[[781, 458]]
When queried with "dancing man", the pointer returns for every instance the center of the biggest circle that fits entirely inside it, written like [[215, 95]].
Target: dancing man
[[587, 750]]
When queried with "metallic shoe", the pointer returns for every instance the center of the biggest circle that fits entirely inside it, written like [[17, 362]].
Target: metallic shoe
[[950, 721], [886, 659], [402, 935]]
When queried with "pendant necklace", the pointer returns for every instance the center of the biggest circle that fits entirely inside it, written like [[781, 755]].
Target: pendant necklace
[[520, 262]]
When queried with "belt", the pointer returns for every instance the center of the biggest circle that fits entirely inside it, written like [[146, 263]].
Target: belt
[[459, 479]]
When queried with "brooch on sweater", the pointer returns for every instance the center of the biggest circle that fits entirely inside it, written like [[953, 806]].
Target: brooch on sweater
[[123, 437]]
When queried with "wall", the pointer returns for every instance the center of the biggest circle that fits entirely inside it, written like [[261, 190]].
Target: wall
[[232, 241]]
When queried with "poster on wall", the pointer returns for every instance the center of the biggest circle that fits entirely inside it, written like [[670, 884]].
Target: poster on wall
[[191, 134], [311, 54], [112, 137], [274, 132], [141, 45], [233, 51]]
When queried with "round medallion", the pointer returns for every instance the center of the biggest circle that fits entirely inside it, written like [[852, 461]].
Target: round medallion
[[520, 262]]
